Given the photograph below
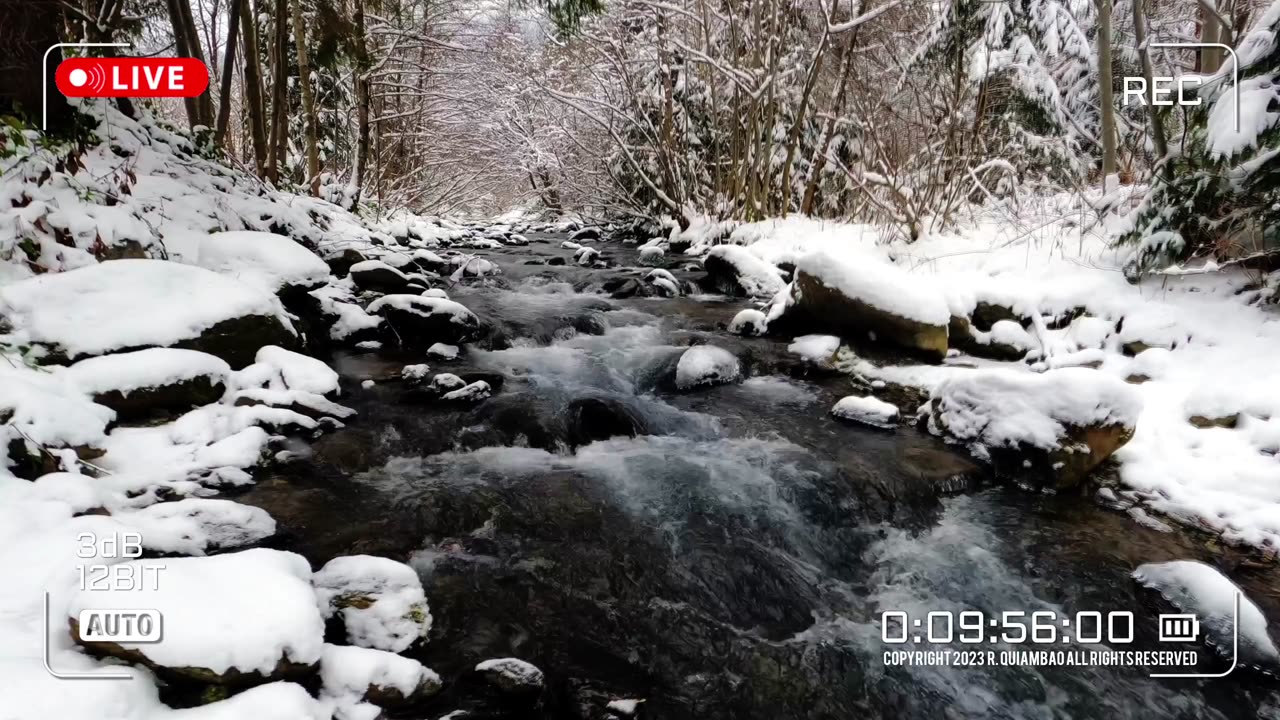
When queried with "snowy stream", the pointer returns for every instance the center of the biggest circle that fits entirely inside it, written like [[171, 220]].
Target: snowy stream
[[733, 558]]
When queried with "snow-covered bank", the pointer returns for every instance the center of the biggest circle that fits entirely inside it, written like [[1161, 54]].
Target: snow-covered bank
[[1197, 348], [154, 310]]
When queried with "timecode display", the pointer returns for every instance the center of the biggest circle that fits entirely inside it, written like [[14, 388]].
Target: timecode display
[[973, 627]]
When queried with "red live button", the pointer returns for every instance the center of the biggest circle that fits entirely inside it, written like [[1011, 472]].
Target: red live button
[[132, 77]]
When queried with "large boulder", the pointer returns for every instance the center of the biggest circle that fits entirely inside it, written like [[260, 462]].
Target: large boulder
[[1047, 430], [154, 382], [866, 300], [419, 321], [238, 619], [735, 270], [131, 304]]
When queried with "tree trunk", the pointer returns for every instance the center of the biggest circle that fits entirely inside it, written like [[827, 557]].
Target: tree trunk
[[204, 101], [1153, 112], [279, 92], [1210, 32], [253, 87], [183, 49], [362, 100], [228, 72], [308, 99], [29, 29], [1108, 108]]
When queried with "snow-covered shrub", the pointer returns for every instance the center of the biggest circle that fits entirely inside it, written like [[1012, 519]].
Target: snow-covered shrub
[[1224, 198]]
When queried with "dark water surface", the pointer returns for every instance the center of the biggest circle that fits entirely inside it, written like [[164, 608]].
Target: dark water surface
[[733, 558]]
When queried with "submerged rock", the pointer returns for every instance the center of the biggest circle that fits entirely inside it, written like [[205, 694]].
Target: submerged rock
[[592, 419]]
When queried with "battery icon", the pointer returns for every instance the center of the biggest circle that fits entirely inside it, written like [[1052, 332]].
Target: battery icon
[[1178, 627]]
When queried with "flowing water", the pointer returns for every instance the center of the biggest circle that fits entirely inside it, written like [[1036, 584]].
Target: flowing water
[[721, 553]]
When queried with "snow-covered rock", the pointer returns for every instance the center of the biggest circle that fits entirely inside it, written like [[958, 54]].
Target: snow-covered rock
[[512, 675], [446, 382], [651, 254], [348, 322], [441, 351], [149, 382], [375, 676], [586, 255], [129, 304], [1197, 588], [266, 260], [472, 266], [378, 276], [380, 601], [424, 321], [435, 293], [749, 322], [586, 233], [705, 365], [236, 618], [1047, 429], [40, 415], [867, 411], [735, 270], [415, 372], [196, 526], [817, 349], [474, 392], [663, 282], [868, 299], [625, 707], [297, 371]]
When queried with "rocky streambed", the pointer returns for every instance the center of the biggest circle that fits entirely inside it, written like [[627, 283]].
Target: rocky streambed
[[718, 549]]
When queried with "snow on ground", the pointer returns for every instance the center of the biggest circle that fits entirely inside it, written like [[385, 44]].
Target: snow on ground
[[1192, 343]]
